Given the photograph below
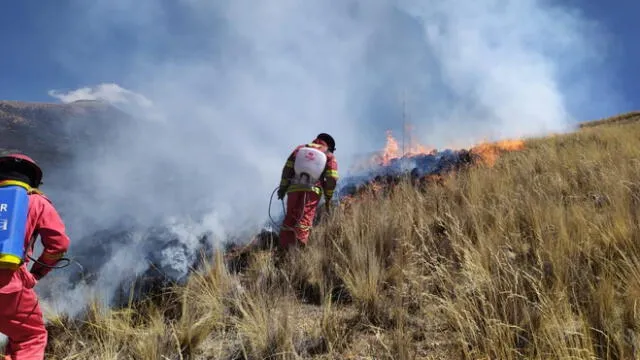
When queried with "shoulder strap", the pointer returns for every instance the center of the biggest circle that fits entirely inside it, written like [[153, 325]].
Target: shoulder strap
[[30, 190]]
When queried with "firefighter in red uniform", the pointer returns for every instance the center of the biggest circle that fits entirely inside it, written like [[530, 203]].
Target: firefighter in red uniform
[[304, 191], [21, 318]]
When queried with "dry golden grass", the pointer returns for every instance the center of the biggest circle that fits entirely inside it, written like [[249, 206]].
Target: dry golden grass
[[536, 257]]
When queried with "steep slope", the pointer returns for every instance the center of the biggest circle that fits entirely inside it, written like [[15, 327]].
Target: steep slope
[[75, 143], [533, 257]]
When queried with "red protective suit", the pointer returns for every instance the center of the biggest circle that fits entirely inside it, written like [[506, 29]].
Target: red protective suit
[[302, 201], [20, 315]]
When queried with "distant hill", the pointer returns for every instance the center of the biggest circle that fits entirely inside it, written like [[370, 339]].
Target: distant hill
[[48, 131], [625, 118]]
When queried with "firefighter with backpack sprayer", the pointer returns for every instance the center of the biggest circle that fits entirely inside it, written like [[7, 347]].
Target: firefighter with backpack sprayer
[[310, 171], [25, 213]]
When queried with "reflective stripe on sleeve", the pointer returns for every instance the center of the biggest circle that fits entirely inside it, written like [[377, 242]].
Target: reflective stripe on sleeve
[[332, 173]]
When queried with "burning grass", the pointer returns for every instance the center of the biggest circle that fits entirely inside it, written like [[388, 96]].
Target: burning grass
[[537, 256]]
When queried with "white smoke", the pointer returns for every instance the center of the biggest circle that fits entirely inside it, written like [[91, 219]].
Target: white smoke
[[239, 83], [111, 93], [129, 101]]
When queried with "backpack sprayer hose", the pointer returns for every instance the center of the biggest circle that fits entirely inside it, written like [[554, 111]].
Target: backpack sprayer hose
[[56, 266], [68, 262], [234, 253], [273, 222], [284, 210]]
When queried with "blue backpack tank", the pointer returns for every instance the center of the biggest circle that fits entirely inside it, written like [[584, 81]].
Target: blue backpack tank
[[14, 208]]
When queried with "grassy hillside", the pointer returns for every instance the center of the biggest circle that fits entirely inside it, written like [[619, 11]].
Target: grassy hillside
[[536, 257], [622, 119]]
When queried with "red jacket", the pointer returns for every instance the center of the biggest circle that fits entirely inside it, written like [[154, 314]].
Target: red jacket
[[326, 184], [43, 218]]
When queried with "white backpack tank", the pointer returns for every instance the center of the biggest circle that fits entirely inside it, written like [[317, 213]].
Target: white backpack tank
[[309, 165]]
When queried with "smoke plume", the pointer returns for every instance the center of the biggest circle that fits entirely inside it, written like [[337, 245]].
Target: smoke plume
[[234, 85]]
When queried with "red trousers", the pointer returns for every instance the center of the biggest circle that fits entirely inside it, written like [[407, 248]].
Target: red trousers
[[21, 321], [301, 211]]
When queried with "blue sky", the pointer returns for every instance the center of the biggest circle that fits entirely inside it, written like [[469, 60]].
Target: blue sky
[[239, 83], [69, 44], [30, 29], [620, 19]]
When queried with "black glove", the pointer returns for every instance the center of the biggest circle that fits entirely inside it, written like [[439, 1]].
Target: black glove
[[37, 273], [282, 191]]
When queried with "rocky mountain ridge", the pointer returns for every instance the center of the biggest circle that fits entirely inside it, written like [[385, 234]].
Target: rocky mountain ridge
[[50, 131]]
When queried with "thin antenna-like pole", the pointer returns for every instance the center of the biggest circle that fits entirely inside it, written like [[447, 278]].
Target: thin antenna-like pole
[[404, 119]]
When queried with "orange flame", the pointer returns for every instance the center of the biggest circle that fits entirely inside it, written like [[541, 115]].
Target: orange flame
[[486, 152], [489, 152], [392, 151]]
